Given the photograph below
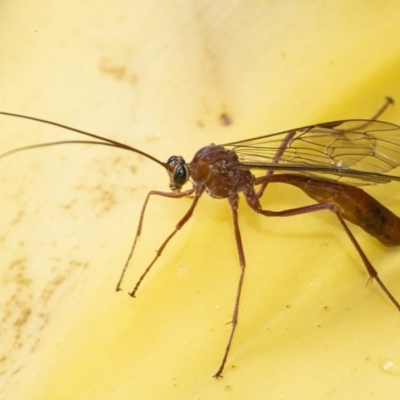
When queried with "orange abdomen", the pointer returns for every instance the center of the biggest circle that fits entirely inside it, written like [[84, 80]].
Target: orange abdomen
[[353, 204]]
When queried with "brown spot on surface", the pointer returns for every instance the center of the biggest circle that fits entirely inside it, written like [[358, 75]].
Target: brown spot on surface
[[117, 70], [225, 119]]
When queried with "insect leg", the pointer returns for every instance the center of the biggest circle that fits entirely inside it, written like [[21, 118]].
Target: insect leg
[[178, 226], [373, 273], [386, 104], [253, 202], [140, 224], [234, 202], [282, 147]]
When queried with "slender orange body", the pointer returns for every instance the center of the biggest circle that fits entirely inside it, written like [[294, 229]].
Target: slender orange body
[[225, 171], [353, 203]]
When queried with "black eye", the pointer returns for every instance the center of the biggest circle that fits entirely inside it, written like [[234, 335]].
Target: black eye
[[180, 175]]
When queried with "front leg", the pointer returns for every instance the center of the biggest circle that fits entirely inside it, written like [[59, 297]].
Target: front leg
[[173, 195]]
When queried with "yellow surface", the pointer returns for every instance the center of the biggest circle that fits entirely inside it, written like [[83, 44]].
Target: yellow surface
[[158, 76]]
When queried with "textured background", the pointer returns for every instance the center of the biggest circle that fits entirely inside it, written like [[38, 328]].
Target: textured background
[[158, 76]]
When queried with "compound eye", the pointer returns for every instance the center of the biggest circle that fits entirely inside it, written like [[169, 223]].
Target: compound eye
[[181, 175]]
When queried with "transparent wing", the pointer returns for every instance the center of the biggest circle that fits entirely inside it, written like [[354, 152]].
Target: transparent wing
[[356, 151]]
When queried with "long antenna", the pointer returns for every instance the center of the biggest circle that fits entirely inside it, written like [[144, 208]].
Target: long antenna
[[104, 141]]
